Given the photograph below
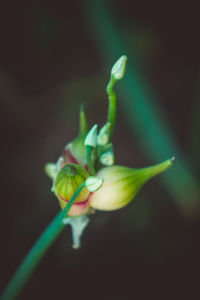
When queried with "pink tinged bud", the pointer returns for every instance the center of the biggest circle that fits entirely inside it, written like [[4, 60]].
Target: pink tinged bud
[[77, 209], [75, 151], [66, 183], [121, 184]]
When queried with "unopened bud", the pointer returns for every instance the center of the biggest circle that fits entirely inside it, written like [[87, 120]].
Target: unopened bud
[[75, 151], [104, 134], [121, 184], [66, 183], [107, 158], [91, 137], [118, 70]]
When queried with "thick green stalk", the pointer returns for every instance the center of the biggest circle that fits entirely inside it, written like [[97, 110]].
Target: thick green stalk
[[37, 251]]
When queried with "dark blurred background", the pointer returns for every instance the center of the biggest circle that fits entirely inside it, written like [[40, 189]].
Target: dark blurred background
[[54, 56]]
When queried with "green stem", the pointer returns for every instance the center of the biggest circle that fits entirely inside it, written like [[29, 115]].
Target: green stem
[[37, 251], [111, 104]]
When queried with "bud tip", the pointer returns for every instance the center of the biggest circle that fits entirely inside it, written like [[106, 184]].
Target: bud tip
[[93, 183], [70, 170]]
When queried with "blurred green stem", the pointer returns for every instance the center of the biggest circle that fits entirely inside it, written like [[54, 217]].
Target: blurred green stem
[[37, 251], [141, 111], [193, 130]]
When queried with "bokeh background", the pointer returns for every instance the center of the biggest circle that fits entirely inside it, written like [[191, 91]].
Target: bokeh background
[[54, 56]]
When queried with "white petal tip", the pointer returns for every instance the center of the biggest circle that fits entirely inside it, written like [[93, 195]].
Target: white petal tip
[[91, 138], [93, 183]]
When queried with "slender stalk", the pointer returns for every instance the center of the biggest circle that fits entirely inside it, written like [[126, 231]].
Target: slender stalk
[[111, 104], [37, 251]]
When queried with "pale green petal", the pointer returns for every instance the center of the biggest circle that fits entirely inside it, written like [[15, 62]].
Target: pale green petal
[[51, 170]]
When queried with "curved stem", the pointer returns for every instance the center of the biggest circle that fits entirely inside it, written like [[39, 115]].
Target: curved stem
[[38, 250], [111, 104]]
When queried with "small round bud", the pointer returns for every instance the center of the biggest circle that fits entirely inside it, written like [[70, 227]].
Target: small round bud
[[107, 158]]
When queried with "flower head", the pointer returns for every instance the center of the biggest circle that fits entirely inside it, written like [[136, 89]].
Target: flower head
[[89, 159]]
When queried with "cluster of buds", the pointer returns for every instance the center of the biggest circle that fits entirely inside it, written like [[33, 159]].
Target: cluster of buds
[[89, 158]]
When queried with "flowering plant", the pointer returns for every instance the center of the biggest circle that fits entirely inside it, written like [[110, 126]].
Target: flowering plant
[[90, 159], [85, 178]]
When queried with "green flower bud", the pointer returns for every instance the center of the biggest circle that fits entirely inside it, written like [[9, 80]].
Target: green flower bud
[[121, 184], [66, 183]]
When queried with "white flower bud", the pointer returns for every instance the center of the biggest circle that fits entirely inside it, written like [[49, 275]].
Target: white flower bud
[[91, 137], [118, 70], [103, 136], [107, 158]]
